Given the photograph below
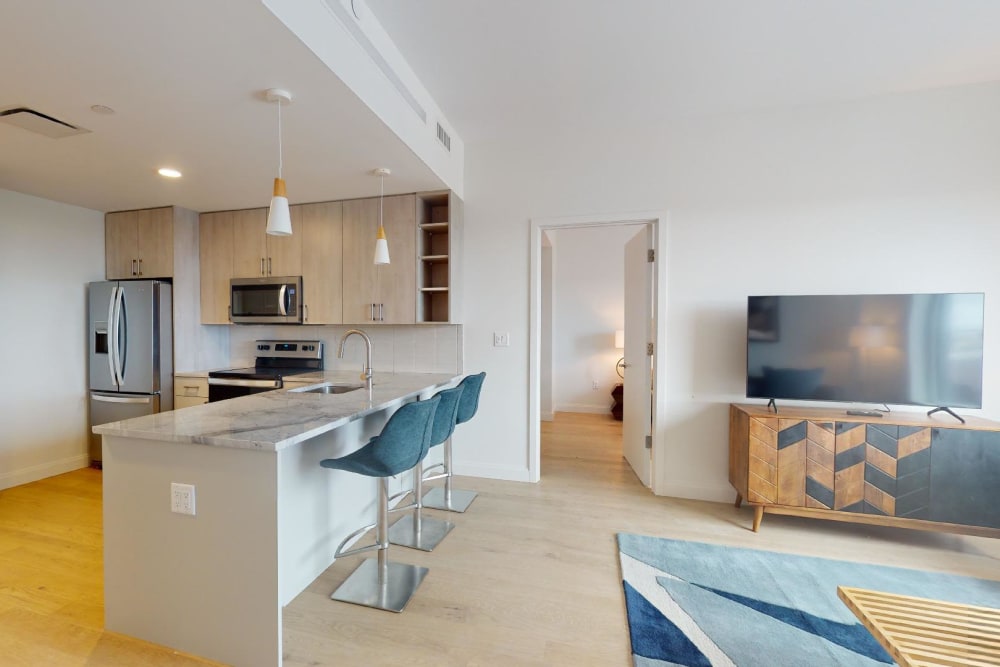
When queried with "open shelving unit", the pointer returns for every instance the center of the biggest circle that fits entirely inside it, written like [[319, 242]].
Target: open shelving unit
[[435, 252]]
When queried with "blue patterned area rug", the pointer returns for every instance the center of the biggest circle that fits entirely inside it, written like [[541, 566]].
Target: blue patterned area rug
[[702, 605]]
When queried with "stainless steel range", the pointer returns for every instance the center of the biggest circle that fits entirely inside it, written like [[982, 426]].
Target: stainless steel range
[[276, 359]]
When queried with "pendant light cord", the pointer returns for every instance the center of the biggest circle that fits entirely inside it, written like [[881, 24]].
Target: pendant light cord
[[279, 137]]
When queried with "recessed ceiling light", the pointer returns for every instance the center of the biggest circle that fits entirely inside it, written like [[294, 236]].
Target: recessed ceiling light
[[168, 172], [100, 108]]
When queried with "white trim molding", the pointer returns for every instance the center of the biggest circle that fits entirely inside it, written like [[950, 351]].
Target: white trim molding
[[659, 222]]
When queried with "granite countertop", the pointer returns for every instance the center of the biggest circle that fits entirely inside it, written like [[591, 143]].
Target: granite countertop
[[278, 419]]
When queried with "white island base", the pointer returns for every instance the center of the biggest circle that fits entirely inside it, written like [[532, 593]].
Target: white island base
[[268, 520]]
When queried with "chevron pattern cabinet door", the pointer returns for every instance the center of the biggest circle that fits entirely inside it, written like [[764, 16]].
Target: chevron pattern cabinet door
[[849, 467], [897, 471], [778, 461], [763, 484], [820, 456]]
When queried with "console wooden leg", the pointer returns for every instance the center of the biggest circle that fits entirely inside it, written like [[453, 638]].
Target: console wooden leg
[[739, 500], [758, 514]]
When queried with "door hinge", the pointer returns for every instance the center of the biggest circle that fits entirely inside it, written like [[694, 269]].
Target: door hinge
[[649, 442], [651, 255], [649, 349]]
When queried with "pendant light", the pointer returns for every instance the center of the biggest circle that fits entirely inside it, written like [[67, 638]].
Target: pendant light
[[279, 220], [381, 245]]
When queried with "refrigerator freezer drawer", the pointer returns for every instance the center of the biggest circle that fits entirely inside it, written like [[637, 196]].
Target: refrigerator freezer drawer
[[113, 407]]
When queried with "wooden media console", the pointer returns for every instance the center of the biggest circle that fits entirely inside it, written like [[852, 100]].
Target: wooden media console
[[903, 469]]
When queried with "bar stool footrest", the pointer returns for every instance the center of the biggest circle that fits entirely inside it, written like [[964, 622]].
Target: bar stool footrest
[[404, 532], [460, 500], [392, 593]]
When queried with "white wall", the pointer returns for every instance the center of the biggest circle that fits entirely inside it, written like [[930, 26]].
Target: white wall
[[891, 194], [50, 251], [589, 287]]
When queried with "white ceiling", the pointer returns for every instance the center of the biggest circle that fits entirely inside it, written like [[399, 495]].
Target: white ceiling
[[517, 68], [185, 76], [186, 79]]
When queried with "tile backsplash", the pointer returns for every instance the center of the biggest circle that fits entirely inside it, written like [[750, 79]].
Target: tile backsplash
[[425, 348]]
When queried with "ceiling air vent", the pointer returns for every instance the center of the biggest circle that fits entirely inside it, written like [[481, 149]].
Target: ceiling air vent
[[444, 138], [39, 123]]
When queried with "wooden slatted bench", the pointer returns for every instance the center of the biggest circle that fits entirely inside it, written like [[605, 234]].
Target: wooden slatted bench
[[918, 632]]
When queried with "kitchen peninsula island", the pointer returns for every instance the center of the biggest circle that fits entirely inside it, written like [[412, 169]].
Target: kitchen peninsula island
[[267, 517]]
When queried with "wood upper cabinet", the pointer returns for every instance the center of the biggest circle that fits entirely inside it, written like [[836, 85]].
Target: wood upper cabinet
[[383, 294], [320, 230], [139, 244], [256, 254], [215, 236]]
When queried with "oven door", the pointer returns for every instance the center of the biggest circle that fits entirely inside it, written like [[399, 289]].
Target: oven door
[[265, 300], [220, 389]]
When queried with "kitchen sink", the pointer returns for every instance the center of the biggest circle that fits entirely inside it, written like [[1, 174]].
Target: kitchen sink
[[329, 389]]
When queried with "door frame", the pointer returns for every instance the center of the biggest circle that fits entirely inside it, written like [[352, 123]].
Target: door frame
[[659, 222]]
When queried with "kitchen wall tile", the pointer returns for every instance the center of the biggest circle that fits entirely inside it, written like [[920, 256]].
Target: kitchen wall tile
[[395, 348]]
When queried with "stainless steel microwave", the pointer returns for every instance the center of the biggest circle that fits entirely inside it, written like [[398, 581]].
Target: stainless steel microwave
[[269, 300]]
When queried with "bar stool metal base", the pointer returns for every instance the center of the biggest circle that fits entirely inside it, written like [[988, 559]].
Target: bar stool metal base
[[428, 535], [460, 499], [391, 593]]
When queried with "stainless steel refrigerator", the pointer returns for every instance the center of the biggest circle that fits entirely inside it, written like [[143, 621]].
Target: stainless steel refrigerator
[[131, 352]]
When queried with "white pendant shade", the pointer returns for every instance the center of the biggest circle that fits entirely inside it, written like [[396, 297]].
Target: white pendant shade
[[381, 247], [279, 219]]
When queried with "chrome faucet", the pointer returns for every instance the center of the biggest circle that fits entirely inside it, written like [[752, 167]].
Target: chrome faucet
[[367, 372]]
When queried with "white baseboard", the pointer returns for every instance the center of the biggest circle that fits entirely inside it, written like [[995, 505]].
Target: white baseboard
[[712, 493], [507, 473], [585, 408], [41, 471]]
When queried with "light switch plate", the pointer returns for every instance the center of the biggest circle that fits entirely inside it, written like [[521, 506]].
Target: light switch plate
[[182, 498], [501, 339]]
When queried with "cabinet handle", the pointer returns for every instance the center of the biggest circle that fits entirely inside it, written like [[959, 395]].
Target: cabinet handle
[[133, 267], [381, 316], [268, 266], [371, 312], [140, 266], [262, 266], [305, 312]]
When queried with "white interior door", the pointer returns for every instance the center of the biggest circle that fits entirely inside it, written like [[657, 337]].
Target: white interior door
[[638, 363]]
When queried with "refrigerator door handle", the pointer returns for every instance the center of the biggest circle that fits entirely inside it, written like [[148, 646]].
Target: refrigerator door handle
[[112, 335], [120, 399], [118, 343], [123, 342]]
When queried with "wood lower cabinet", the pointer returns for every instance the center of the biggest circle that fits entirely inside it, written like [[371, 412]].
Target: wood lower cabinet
[[189, 390], [139, 244], [382, 294], [900, 469]]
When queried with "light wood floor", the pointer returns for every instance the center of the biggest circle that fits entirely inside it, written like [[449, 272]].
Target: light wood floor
[[528, 577]]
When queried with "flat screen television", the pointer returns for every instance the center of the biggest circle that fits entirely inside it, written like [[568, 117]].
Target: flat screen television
[[904, 349]]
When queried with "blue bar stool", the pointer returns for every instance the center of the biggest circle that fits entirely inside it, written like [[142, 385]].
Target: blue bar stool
[[446, 498], [401, 445], [415, 530]]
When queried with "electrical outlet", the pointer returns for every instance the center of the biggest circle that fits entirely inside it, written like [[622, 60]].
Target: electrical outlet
[[595, 386], [182, 498], [501, 339]]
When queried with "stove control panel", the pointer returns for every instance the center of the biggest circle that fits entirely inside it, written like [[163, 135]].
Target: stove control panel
[[290, 349]]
